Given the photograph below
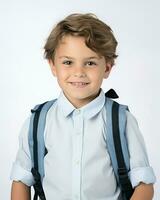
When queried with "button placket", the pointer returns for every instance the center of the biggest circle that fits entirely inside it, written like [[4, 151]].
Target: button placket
[[77, 154]]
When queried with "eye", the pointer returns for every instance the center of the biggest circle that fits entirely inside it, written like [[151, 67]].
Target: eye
[[67, 62], [91, 63]]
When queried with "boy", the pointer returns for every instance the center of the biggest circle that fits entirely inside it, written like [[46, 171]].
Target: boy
[[80, 51]]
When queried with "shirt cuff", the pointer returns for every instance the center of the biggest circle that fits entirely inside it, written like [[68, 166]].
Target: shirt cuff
[[142, 174], [20, 174]]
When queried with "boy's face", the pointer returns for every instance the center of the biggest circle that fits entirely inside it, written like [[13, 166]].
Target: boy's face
[[79, 70]]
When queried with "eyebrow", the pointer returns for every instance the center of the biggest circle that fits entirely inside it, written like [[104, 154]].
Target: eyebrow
[[87, 58]]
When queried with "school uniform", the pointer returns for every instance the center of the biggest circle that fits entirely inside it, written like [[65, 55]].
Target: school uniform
[[77, 165]]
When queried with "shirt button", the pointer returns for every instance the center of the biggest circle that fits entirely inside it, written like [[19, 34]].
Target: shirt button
[[77, 111], [77, 162], [76, 196]]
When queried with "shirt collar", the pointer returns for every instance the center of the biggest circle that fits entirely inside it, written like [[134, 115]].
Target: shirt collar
[[89, 110]]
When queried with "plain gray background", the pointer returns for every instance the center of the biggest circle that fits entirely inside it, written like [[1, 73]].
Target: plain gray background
[[26, 78]]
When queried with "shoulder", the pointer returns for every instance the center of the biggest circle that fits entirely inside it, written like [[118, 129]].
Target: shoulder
[[24, 128], [112, 105], [45, 110], [131, 119], [45, 105]]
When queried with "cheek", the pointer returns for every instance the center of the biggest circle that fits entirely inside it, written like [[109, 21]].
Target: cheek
[[97, 75], [62, 74]]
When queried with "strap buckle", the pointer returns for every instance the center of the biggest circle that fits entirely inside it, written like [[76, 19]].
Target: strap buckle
[[123, 175], [124, 179]]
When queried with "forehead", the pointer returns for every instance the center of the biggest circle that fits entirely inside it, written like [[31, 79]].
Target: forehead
[[74, 46]]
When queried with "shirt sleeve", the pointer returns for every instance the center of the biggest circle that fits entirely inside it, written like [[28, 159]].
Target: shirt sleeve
[[140, 170], [21, 168]]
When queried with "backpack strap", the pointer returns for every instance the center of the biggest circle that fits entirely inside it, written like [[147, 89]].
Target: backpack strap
[[117, 144], [37, 146]]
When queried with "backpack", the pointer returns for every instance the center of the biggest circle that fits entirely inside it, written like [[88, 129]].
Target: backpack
[[115, 139]]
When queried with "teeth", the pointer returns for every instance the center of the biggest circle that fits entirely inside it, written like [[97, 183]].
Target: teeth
[[78, 84]]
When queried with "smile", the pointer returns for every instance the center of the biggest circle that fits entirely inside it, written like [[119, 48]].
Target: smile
[[79, 84]]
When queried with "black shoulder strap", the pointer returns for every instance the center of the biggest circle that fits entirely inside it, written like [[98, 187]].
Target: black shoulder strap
[[124, 180], [38, 184]]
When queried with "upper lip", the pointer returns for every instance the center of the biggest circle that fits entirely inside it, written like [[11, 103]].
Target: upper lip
[[78, 82]]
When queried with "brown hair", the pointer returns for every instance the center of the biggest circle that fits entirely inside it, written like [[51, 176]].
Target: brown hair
[[98, 35]]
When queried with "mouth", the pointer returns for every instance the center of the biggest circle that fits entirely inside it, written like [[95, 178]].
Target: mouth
[[79, 84]]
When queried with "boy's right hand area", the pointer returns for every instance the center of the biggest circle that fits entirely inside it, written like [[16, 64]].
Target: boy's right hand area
[[20, 191]]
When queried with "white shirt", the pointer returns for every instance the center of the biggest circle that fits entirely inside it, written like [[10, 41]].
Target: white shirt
[[78, 166]]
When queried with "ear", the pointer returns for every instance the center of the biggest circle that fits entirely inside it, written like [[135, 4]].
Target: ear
[[53, 67], [107, 70]]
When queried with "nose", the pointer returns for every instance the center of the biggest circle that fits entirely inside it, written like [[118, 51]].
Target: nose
[[79, 72]]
